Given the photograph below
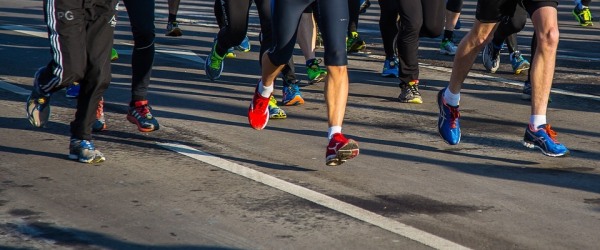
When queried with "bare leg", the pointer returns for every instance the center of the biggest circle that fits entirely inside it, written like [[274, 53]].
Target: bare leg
[[307, 35], [467, 52], [269, 71], [336, 94], [542, 71], [451, 19]]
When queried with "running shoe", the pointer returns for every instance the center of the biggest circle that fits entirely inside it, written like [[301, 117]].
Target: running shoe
[[140, 115], [84, 151], [213, 65], [409, 92], [447, 47], [245, 45], [291, 94], [230, 53], [364, 5], [583, 16], [274, 111], [114, 55], [390, 67], [340, 149], [518, 62], [38, 103], [72, 91], [314, 72], [100, 123], [173, 29], [354, 43], [544, 138], [258, 112], [448, 124], [491, 58]]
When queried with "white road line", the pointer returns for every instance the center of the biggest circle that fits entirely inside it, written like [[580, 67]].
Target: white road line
[[14, 89], [321, 199]]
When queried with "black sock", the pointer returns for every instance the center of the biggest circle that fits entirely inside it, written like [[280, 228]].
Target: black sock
[[448, 35], [172, 17]]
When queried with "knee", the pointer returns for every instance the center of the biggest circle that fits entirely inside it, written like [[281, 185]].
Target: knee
[[143, 39], [548, 39]]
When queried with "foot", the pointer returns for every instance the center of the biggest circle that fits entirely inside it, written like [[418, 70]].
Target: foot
[[447, 47], [340, 149], [409, 92], [291, 94], [518, 62], [245, 45], [258, 112], [544, 138], [491, 58], [38, 104], [390, 67], [448, 124], [214, 63], [173, 29], [275, 112], [84, 151], [140, 115], [314, 72]]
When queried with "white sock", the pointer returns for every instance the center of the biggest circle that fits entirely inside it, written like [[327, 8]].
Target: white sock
[[332, 130], [451, 98], [537, 120], [265, 91]]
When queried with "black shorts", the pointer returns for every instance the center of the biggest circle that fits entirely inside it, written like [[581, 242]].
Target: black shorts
[[492, 11]]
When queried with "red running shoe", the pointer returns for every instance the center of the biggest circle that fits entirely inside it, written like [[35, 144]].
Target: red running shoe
[[258, 112], [340, 149]]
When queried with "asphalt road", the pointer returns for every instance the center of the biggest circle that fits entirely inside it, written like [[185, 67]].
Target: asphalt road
[[206, 180]]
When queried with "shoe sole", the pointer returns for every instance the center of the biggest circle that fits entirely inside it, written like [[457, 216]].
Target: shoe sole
[[345, 153], [521, 68], [296, 101], [414, 101], [318, 79], [174, 33], [531, 145], [140, 128]]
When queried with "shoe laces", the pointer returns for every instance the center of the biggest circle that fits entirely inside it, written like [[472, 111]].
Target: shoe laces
[[551, 133], [413, 87], [314, 64], [215, 59], [454, 115], [143, 109]]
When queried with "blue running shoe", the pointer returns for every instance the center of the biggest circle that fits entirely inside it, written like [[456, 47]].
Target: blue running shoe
[[544, 138], [291, 93], [84, 151], [390, 67], [245, 45], [518, 62], [38, 103], [448, 125], [213, 65], [72, 91]]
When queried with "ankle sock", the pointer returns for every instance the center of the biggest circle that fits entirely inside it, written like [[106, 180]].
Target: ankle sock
[[537, 120], [451, 98], [264, 90], [333, 130]]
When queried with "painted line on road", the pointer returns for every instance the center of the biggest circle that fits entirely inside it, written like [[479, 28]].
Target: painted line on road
[[316, 197], [14, 89]]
